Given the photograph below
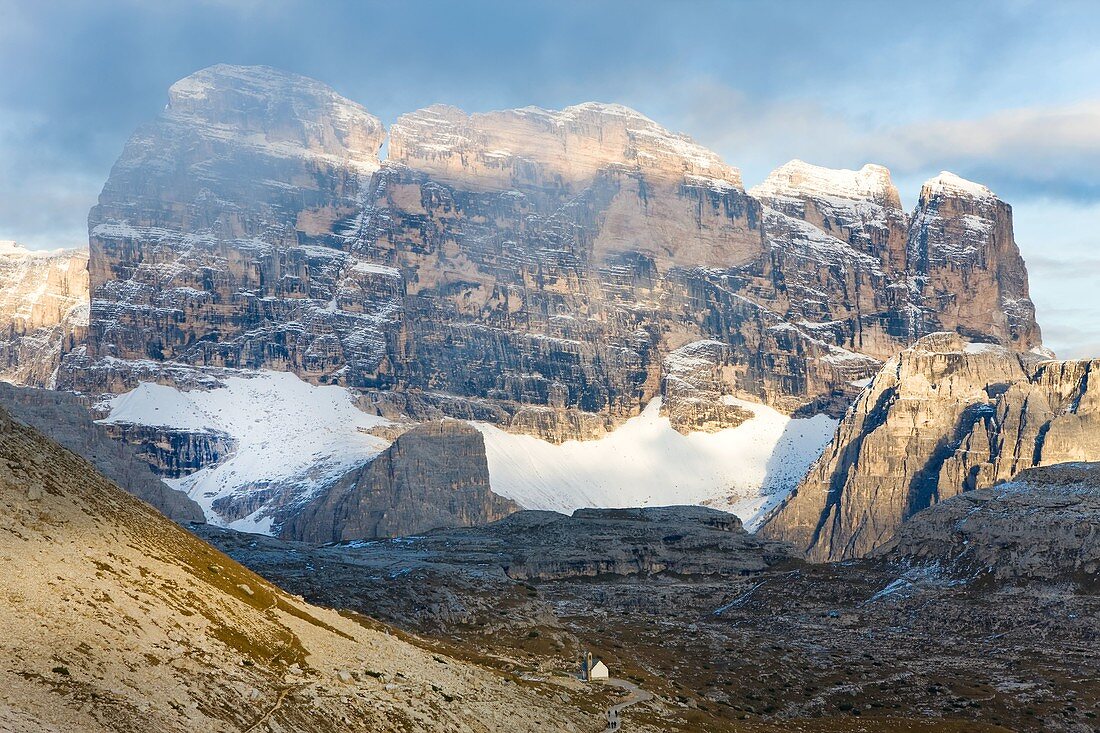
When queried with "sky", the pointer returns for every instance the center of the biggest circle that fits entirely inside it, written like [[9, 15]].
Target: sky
[[1004, 92]]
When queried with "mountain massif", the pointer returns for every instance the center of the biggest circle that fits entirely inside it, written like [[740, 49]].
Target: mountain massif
[[382, 361], [546, 272], [533, 268], [549, 273]]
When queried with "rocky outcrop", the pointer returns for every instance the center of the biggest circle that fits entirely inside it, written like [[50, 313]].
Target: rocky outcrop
[[533, 268], [43, 310], [1043, 525], [682, 540], [941, 418], [66, 420], [434, 475]]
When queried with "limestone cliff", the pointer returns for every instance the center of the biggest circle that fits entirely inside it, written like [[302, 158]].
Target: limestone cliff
[[434, 475], [941, 418], [43, 310], [539, 269], [208, 245]]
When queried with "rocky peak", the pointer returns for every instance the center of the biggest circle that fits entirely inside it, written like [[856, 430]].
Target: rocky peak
[[959, 235], [556, 148], [949, 185], [861, 208], [799, 180], [277, 112], [944, 417]]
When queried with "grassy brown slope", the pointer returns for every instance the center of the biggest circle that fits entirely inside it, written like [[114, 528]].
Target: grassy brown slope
[[113, 618]]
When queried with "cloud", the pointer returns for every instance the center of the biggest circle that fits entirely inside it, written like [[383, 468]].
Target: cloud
[[1065, 267], [1031, 151]]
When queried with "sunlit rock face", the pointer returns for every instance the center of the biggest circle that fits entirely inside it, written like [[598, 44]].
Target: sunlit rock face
[[547, 271], [43, 309], [970, 274], [942, 418]]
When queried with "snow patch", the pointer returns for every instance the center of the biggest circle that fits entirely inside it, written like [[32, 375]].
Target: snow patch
[[287, 432], [645, 462]]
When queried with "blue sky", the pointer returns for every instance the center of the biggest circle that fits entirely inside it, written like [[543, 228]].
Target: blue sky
[[1006, 93]]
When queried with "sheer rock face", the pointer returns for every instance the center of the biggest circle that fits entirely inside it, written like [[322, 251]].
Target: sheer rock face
[[952, 264], [969, 272], [434, 475], [943, 417], [532, 268], [173, 453], [43, 309], [208, 245], [1043, 525]]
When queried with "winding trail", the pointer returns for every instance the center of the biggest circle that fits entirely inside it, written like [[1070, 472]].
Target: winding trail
[[637, 695], [278, 704]]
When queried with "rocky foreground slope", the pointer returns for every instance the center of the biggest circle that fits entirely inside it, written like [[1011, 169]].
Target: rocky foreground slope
[[115, 619], [64, 419], [537, 269], [43, 311], [941, 418]]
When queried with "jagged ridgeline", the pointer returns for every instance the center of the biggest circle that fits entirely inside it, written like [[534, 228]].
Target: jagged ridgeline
[[537, 269]]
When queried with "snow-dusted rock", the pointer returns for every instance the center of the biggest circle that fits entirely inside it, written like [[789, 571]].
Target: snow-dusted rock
[[43, 308], [545, 272]]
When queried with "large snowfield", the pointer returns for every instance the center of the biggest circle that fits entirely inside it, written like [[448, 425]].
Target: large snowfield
[[645, 462], [289, 433]]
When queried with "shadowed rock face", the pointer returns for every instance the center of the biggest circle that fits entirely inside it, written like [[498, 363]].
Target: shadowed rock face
[[541, 545], [530, 267], [65, 420], [434, 475], [685, 540], [941, 418], [1043, 525]]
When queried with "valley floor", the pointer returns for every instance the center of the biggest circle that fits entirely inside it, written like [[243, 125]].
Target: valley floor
[[859, 646]]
